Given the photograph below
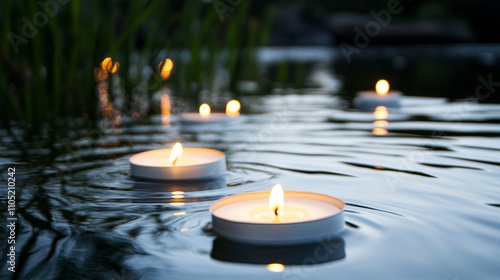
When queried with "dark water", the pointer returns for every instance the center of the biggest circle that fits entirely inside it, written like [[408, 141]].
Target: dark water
[[422, 196]]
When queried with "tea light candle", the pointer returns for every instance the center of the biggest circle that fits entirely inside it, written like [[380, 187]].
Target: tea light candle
[[382, 96], [178, 164], [277, 217], [205, 116]]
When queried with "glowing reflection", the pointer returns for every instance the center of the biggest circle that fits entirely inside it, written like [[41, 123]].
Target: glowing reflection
[[179, 213], [233, 108], [380, 115], [204, 110], [100, 75], [165, 109], [184, 229], [379, 131], [275, 267], [276, 199]]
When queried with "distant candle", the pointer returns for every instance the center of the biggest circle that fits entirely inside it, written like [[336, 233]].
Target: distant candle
[[178, 164], [277, 217], [382, 96]]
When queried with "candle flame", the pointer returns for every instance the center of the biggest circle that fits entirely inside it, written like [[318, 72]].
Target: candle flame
[[108, 66], [276, 200], [166, 68], [275, 267], [176, 153], [381, 123], [204, 110], [381, 113], [382, 87], [233, 108]]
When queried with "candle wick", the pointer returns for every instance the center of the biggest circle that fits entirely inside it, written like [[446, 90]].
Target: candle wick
[[276, 211], [175, 160]]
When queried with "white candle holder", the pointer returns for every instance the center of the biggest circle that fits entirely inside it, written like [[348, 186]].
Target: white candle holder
[[195, 164], [318, 216]]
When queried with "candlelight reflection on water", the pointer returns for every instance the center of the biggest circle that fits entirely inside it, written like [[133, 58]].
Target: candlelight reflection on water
[[275, 267], [412, 185], [233, 108]]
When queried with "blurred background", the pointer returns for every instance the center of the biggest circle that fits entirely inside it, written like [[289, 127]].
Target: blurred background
[[84, 85], [54, 53]]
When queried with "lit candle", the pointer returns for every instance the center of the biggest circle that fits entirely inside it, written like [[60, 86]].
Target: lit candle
[[277, 217], [178, 164], [382, 96], [205, 116]]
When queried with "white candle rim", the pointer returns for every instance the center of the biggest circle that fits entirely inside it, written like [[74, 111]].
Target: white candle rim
[[288, 194]]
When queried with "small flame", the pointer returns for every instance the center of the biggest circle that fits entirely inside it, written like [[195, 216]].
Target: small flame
[[233, 108], [165, 104], [166, 68], [204, 110], [382, 87], [275, 267], [176, 153], [381, 113], [276, 200]]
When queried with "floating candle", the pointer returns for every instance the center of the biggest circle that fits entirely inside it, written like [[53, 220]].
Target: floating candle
[[382, 96], [178, 164], [205, 116], [277, 217]]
